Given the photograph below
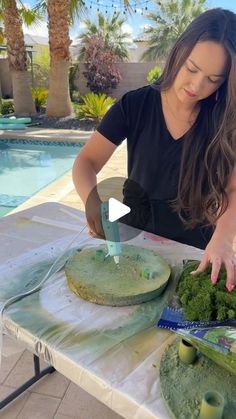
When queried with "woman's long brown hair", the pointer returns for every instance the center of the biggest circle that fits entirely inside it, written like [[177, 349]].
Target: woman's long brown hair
[[209, 148]]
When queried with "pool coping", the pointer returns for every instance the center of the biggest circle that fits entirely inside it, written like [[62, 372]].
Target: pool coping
[[47, 134]]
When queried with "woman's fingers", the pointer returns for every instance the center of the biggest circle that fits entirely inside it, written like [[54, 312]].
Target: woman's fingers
[[93, 233], [215, 269], [99, 229], [231, 274], [230, 266], [230, 270], [91, 226], [93, 214], [201, 267], [95, 228]]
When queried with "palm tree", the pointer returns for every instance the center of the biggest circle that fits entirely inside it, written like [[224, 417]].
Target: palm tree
[[61, 13], [59, 103], [17, 55], [168, 22], [110, 30]]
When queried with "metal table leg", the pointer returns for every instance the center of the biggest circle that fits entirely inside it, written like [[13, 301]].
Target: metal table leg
[[37, 375]]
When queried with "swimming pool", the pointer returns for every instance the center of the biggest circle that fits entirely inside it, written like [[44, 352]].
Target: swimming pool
[[28, 166]]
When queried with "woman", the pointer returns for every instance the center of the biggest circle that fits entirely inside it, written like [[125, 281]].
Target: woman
[[181, 145]]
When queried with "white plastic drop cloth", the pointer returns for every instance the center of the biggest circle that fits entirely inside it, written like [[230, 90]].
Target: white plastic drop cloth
[[112, 352]]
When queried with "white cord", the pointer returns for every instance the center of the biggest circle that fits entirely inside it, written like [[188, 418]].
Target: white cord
[[71, 214], [25, 294]]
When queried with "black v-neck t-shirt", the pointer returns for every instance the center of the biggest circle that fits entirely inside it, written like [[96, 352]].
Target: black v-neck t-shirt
[[153, 161]]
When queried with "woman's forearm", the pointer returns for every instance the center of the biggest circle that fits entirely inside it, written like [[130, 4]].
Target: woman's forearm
[[226, 224], [88, 163], [84, 178]]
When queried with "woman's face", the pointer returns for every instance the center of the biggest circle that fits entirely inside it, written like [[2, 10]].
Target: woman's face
[[202, 73]]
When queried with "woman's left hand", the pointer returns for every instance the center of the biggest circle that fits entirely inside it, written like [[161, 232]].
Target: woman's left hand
[[217, 253]]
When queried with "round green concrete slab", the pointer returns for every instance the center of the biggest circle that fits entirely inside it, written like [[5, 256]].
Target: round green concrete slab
[[140, 276], [183, 386]]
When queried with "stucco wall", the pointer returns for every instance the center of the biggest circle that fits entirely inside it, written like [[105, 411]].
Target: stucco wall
[[134, 75]]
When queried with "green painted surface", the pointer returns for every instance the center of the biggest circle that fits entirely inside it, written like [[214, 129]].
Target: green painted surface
[[183, 386], [103, 282], [82, 345]]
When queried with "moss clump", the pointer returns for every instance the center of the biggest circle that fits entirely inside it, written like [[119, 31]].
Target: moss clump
[[203, 301]]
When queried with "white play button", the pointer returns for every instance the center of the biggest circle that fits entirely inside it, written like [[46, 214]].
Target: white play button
[[120, 198], [116, 209]]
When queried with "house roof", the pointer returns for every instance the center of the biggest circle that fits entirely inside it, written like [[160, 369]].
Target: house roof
[[140, 40], [35, 40]]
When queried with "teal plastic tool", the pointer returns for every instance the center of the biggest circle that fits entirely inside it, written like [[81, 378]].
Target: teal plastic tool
[[111, 232]]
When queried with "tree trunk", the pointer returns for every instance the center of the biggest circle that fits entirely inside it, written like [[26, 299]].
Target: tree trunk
[[17, 56], [59, 103], [22, 96]]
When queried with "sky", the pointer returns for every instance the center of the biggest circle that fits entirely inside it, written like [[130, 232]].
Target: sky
[[135, 23]]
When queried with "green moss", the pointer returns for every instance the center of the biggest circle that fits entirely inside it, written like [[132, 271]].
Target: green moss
[[203, 301]]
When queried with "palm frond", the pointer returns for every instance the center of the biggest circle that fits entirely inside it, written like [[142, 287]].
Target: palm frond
[[77, 9], [31, 16], [110, 29], [167, 23]]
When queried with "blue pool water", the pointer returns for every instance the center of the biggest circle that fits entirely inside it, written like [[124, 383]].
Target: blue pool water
[[28, 166]]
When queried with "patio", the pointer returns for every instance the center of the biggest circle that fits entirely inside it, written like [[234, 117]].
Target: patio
[[53, 396]]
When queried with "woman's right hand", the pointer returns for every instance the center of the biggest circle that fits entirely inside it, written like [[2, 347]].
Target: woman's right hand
[[87, 165], [94, 219]]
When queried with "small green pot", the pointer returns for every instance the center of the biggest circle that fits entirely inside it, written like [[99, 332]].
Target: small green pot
[[146, 272], [187, 352], [212, 406], [100, 255]]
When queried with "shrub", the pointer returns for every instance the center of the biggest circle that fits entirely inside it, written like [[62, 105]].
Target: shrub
[[40, 95], [7, 106], [73, 73], [94, 106], [41, 67], [101, 72], [154, 74]]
